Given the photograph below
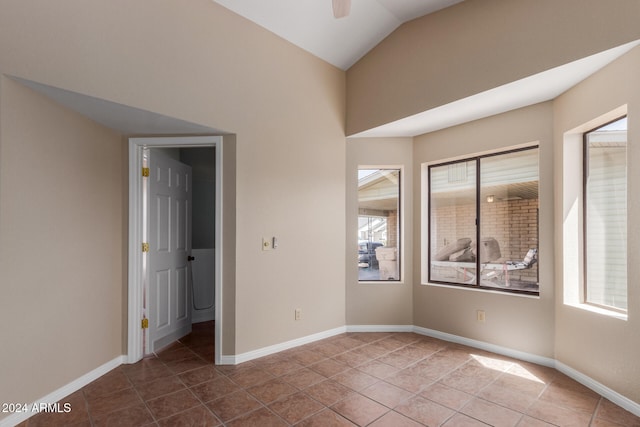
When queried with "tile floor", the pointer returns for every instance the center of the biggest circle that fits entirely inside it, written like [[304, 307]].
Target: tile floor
[[374, 379]]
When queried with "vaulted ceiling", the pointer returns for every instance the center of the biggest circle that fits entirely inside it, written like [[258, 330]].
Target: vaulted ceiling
[[310, 24]]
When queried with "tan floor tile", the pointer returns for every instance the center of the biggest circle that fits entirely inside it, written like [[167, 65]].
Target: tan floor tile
[[570, 398], [461, 420], [272, 390], [329, 367], [132, 416], [112, 402], [198, 416], [200, 375], [491, 413], [303, 378], [282, 367], [522, 383], [368, 337], [352, 358], [250, 377], [348, 343], [611, 412], [533, 372], [308, 357], [359, 409], [466, 382], [296, 407], [394, 419], [326, 418], [149, 372], [187, 364], [234, 405], [406, 381], [387, 394], [328, 349], [328, 392], [214, 389], [425, 411], [446, 396], [391, 343], [557, 415], [355, 380], [107, 384], [527, 421], [261, 417], [508, 397], [373, 350], [171, 404], [396, 360], [160, 387], [378, 369]]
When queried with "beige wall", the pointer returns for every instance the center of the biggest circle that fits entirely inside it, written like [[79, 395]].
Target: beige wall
[[289, 172], [380, 303], [516, 322], [204, 64], [61, 241], [475, 46], [600, 346]]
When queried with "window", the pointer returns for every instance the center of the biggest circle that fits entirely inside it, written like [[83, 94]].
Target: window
[[605, 215], [379, 224], [483, 222]]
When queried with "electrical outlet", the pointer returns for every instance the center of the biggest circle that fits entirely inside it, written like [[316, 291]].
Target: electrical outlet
[[266, 244], [480, 316], [297, 314]]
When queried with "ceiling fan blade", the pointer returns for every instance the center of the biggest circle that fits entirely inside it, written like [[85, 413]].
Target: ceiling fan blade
[[341, 8]]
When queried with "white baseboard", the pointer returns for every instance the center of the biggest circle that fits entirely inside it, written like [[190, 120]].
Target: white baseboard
[[601, 389], [265, 351], [380, 328], [64, 391], [199, 316], [505, 351]]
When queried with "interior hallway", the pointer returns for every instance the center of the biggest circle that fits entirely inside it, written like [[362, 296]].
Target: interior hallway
[[377, 379]]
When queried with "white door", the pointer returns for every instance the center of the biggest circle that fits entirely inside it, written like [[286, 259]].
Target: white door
[[169, 236]]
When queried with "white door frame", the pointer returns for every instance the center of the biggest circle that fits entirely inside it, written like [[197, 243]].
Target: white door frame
[[135, 279]]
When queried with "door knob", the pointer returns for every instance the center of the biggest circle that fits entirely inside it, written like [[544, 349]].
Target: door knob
[[190, 258]]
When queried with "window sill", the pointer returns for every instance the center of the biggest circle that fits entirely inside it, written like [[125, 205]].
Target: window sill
[[600, 310], [380, 282], [483, 290]]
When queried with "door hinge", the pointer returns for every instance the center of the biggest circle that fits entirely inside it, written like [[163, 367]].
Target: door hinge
[[145, 172], [145, 247], [145, 323]]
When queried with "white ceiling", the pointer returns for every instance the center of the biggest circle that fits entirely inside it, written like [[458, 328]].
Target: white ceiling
[[310, 24]]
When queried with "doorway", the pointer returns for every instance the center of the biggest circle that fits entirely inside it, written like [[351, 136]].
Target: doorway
[[137, 336]]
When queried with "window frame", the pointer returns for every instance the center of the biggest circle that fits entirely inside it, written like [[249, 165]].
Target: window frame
[[585, 170], [400, 224], [478, 222]]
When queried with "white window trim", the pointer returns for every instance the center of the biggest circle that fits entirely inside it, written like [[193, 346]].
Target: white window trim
[[573, 216], [402, 225], [424, 221]]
